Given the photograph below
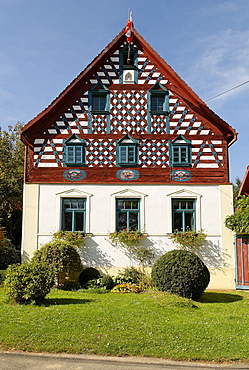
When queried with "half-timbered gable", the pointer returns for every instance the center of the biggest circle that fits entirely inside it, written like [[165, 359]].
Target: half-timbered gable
[[127, 119]]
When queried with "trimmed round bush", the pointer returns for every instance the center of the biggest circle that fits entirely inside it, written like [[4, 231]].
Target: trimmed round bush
[[180, 272], [107, 282], [89, 273], [28, 282]]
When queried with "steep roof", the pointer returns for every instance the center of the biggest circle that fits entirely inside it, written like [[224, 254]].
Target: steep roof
[[244, 189], [79, 84]]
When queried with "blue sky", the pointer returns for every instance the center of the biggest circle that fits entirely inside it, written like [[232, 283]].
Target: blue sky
[[45, 44]]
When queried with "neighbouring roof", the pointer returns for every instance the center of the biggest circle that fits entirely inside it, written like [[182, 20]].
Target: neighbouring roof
[[244, 189]]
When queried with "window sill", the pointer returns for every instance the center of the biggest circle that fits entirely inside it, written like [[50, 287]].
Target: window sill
[[163, 113], [100, 112]]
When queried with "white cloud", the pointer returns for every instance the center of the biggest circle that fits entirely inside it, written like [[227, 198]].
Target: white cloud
[[223, 64]]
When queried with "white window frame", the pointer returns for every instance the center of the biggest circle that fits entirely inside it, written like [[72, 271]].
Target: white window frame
[[131, 194], [73, 193], [183, 194]]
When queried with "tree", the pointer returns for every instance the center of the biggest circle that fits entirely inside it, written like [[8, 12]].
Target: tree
[[11, 182], [236, 187], [239, 221]]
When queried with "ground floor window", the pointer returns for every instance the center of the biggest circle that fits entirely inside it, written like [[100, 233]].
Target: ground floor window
[[73, 214], [127, 214], [184, 213]]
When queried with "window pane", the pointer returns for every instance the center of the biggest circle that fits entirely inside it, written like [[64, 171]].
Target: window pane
[[98, 103], [68, 217], [81, 204], [120, 204], [123, 154], [131, 154], [189, 220], [74, 204], [184, 158], [67, 204], [133, 220], [177, 221], [157, 103], [134, 204], [183, 204], [176, 204], [176, 158], [190, 204], [70, 154], [79, 221], [78, 154], [127, 204], [122, 221]]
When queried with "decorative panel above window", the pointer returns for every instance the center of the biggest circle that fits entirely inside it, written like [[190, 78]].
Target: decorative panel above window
[[128, 65], [127, 151], [180, 152], [74, 152]]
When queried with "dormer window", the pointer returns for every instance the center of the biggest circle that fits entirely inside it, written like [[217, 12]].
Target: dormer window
[[158, 99], [99, 99], [74, 152], [180, 152], [127, 151]]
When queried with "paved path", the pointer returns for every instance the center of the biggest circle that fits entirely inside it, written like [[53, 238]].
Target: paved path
[[34, 361]]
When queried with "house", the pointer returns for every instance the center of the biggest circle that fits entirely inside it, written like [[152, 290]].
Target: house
[[128, 144], [242, 245]]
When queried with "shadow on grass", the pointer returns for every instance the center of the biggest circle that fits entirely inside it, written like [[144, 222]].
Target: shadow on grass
[[216, 297], [65, 301]]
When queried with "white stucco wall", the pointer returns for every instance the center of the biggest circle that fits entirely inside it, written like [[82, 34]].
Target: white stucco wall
[[214, 202]]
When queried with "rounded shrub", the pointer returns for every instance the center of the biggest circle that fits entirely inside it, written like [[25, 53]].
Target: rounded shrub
[[61, 257], [181, 272], [28, 282], [107, 282], [89, 273]]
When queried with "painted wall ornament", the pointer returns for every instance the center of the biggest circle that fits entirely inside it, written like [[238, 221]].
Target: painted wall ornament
[[181, 175], [74, 174], [127, 175]]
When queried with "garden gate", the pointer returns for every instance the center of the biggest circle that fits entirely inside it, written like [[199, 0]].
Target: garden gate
[[242, 262]]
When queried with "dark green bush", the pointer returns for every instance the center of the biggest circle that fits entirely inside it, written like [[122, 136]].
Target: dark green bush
[[89, 273], [9, 255], [107, 282], [28, 282], [60, 256], [181, 272]]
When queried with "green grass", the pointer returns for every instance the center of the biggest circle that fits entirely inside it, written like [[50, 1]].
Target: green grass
[[145, 324]]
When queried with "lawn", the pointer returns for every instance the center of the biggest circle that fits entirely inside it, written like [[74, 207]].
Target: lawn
[[145, 324]]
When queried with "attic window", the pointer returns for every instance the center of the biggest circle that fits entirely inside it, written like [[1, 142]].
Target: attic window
[[127, 151], [158, 99], [99, 99], [74, 152], [180, 152]]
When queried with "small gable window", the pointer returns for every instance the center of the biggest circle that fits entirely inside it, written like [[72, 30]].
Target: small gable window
[[158, 99], [180, 152], [74, 151], [99, 99], [128, 64], [127, 151]]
